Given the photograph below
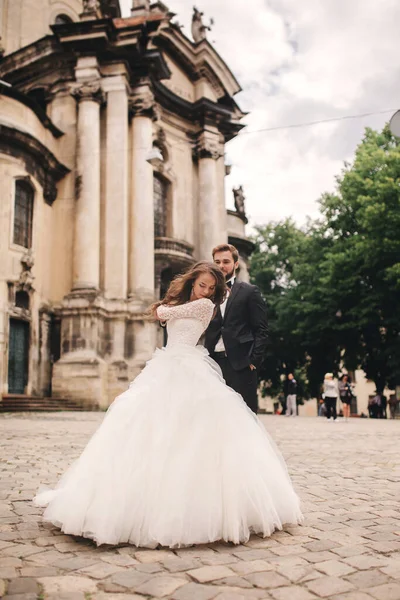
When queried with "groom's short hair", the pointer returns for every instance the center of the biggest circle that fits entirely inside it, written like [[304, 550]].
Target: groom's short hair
[[226, 248]]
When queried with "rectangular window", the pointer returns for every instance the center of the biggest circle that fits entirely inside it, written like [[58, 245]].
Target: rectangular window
[[23, 212], [160, 190]]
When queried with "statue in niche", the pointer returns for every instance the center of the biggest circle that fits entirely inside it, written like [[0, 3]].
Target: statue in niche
[[90, 6], [26, 278], [199, 30], [239, 199]]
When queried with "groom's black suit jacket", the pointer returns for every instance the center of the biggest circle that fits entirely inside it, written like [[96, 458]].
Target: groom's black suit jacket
[[244, 327]]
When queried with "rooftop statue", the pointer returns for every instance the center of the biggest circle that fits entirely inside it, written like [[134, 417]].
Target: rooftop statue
[[239, 198], [198, 28]]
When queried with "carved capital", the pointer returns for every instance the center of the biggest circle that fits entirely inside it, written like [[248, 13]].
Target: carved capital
[[141, 102], [208, 146], [89, 90]]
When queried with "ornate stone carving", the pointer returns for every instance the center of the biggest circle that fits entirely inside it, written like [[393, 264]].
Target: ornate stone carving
[[142, 103], [25, 281], [239, 199], [91, 9], [89, 90], [199, 30], [49, 190], [208, 146]]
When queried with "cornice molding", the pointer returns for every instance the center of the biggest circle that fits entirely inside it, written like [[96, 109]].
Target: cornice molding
[[39, 161], [34, 106]]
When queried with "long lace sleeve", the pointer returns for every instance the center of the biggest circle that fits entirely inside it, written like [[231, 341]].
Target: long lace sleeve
[[198, 309]]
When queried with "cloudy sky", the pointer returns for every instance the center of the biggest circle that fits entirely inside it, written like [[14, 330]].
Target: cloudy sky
[[300, 61]]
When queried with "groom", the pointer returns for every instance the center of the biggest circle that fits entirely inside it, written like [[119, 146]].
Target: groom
[[237, 336]]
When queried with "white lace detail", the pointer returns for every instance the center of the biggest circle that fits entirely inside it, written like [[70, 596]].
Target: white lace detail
[[186, 322]]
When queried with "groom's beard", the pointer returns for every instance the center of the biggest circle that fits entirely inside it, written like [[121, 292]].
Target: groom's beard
[[229, 276]]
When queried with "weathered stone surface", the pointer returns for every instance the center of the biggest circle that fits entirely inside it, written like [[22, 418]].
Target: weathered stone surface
[[67, 584], [387, 591], [253, 566], [160, 587], [329, 586], [293, 592], [267, 580], [205, 574], [345, 550], [195, 591], [22, 585]]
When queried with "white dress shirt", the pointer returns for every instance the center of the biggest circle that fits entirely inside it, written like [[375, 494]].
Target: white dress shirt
[[220, 346]]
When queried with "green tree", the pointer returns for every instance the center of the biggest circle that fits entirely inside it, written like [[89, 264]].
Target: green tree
[[363, 221], [333, 287]]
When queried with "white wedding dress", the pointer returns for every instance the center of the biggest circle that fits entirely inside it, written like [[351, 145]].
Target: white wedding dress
[[179, 458]]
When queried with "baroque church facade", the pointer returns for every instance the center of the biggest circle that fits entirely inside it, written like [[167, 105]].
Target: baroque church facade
[[112, 145]]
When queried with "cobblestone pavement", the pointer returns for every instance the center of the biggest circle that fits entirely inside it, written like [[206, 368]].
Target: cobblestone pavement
[[347, 474]]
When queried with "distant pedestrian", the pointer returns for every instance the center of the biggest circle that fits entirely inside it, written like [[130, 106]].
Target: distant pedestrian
[[282, 400], [322, 408], [383, 407], [291, 401], [331, 393], [374, 406], [392, 405], [346, 395]]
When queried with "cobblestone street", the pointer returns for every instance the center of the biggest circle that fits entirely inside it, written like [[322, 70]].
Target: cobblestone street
[[348, 477]]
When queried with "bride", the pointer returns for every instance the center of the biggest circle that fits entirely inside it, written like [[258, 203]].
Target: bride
[[179, 458]]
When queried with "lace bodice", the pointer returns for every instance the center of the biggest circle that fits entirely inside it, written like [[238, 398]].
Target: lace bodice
[[186, 322]]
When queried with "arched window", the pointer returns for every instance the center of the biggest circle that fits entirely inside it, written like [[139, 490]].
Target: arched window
[[63, 20], [23, 212], [160, 187]]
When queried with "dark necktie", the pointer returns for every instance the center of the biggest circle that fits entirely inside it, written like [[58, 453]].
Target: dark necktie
[[229, 284]]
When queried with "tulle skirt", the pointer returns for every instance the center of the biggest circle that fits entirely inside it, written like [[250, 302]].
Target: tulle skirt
[[178, 460]]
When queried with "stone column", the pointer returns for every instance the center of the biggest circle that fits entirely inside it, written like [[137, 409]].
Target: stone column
[[115, 242], [44, 353], [141, 218], [86, 264], [211, 230]]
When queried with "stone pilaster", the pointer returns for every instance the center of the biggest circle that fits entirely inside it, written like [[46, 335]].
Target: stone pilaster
[[86, 263], [140, 8], [44, 383], [115, 218], [211, 229], [141, 221]]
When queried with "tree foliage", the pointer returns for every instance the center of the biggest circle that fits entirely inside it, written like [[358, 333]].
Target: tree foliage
[[333, 287]]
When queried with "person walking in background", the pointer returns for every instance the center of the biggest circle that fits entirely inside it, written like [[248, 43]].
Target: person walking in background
[[291, 404], [321, 408], [346, 395], [282, 400], [331, 393], [392, 405], [383, 406], [374, 406]]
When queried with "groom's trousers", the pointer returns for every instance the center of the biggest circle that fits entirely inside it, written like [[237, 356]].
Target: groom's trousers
[[244, 382]]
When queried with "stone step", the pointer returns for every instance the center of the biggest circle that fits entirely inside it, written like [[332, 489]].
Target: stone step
[[20, 403]]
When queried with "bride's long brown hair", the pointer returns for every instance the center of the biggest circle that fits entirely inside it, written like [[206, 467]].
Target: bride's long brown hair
[[180, 289]]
